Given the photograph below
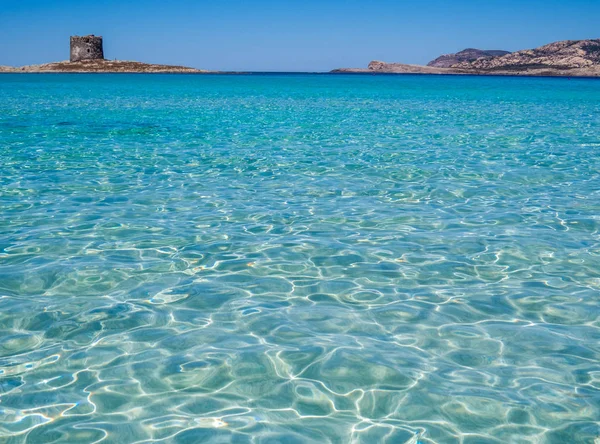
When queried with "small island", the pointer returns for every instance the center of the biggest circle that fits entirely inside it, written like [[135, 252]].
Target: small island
[[567, 58], [87, 56]]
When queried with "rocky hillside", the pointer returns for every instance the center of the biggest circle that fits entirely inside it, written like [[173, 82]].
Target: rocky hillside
[[466, 55], [564, 55]]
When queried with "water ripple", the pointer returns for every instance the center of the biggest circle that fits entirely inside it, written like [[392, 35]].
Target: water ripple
[[299, 259]]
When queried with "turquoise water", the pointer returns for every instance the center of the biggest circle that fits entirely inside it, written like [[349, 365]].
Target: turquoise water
[[296, 258]]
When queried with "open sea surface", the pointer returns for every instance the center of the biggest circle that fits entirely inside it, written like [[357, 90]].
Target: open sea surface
[[299, 259]]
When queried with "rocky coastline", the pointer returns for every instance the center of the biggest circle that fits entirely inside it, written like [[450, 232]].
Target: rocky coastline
[[568, 58]]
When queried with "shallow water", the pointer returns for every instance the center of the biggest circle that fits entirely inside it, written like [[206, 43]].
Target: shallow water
[[295, 258]]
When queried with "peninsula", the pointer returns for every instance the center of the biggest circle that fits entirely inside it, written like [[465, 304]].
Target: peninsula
[[567, 58], [87, 56]]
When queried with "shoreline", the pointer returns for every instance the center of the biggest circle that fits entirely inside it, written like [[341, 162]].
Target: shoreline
[[101, 66], [311, 73], [568, 58], [399, 69]]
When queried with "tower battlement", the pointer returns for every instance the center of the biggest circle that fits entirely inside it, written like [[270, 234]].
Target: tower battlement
[[88, 47]]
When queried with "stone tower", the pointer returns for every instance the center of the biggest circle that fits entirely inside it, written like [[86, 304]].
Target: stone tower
[[88, 47]]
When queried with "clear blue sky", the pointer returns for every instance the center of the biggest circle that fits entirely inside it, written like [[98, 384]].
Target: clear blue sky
[[292, 35]]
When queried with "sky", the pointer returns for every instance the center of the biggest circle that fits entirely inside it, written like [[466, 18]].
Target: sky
[[292, 35]]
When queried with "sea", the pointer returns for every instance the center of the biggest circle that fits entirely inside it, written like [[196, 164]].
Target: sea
[[296, 258]]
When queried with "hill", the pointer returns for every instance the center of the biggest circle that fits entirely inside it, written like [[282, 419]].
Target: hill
[[466, 55], [563, 55]]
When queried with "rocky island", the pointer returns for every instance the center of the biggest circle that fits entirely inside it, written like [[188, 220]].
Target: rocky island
[[87, 56], [101, 66], [568, 58]]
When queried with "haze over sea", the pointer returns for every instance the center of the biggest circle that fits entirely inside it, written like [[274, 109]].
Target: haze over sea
[[299, 258]]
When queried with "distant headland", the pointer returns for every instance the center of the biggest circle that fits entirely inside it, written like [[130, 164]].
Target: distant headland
[[87, 56], [567, 58]]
